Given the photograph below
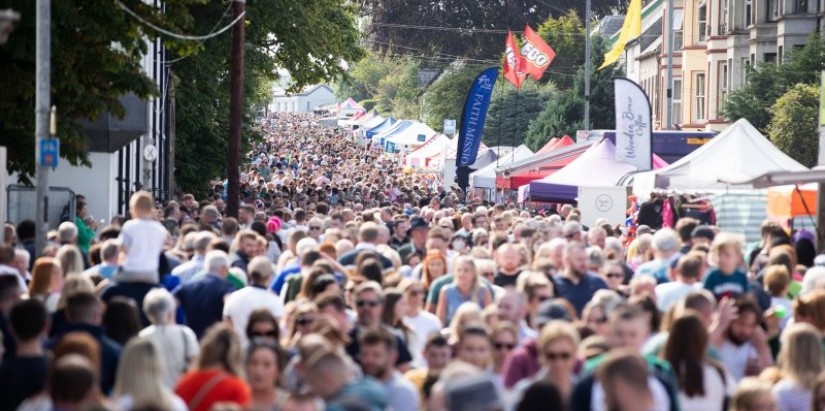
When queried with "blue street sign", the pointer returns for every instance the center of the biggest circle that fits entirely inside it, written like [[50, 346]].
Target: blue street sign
[[49, 152]]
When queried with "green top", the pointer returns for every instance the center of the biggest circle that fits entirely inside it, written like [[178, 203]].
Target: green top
[[85, 235]]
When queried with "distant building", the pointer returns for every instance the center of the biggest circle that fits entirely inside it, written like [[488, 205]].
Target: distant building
[[302, 102], [715, 42]]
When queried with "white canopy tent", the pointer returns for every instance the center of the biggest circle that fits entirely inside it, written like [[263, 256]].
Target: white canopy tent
[[431, 149], [411, 137], [485, 177], [739, 153]]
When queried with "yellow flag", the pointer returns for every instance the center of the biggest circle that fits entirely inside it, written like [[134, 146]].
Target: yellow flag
[[631, 29]]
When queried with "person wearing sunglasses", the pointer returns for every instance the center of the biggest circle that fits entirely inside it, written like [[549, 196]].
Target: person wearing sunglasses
[[613, 274], [369, 307], [557, 355], [505, 339]]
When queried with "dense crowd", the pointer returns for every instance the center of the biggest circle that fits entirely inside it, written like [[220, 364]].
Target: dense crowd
[[348, 283]]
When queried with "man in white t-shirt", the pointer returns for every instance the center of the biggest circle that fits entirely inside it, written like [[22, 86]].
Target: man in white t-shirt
[[423, 323], [240, 304], [688, 279], [739, 354]]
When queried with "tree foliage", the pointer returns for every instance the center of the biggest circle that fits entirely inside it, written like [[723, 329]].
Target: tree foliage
[[511, 111], [768, 82], [309, 39], [433, 28], [566, 35], [387, 83], [96, 58], [445, 98], [565, 112], [793, 128]]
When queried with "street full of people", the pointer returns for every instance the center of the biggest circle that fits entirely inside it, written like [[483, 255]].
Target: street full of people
[[348, 282]]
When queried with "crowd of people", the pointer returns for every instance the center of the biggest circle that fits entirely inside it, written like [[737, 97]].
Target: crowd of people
[[346, 283]]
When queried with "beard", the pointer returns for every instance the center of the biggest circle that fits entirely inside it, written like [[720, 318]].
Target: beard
[[735, 339]]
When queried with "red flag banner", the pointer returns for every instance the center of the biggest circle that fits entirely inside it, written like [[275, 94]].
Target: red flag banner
[[513, 62], [536, 53]]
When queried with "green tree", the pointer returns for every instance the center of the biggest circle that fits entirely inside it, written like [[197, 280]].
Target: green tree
[[768, 82], [793, 128], [460, 28], [512, 110], [565, 34], [96, 58], [309, 39], [387, 83], [565, 112], [444, 99]]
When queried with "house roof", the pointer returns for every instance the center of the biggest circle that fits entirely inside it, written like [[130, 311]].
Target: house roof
[[279, 92]]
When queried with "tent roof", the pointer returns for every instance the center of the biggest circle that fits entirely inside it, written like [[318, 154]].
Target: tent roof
[[596, 167], [486, 176], [555, 143], [373, 129], [409, 135], [740, 152], [538, 166], [395, 128], [351, 105]]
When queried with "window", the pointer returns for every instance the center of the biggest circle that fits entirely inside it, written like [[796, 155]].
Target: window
[[769, 58], [773, 10], [723, 17], [676, 102], [723, 82], [746, 64], [701, 23], [801, 6], [780, 55], [699, 97], [678, 16], [748, 17]]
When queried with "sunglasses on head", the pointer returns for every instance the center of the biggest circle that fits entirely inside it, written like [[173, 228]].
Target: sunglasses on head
[[370, 304]]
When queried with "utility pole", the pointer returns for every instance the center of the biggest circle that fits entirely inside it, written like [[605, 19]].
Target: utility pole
[[820, 197], [43, 55], [587, 65], [233, 163], [670, 47]]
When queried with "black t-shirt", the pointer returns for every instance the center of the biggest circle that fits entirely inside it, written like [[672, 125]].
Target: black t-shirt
[[506, 280], [21, 378]]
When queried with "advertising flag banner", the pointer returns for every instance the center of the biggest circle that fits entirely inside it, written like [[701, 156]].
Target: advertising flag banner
[[513, 62], [634, 134], [631, 29], [472, 123], [537, 54]]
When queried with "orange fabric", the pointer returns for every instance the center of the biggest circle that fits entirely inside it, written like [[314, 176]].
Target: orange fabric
[[229, 389], [785, 202]]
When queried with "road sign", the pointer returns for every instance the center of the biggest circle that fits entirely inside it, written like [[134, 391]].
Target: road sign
[[49, 152], [449, 127]]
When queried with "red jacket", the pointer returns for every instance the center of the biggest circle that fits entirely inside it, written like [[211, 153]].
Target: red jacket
[[522, 363]]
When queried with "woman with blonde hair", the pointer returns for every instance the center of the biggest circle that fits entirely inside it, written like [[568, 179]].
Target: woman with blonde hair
[[466, 313], [465, 288], [72, 284], [810, 308], [753, 394], [140, 378], [70, 258], [218, 372], [47, 282], [800, 362]]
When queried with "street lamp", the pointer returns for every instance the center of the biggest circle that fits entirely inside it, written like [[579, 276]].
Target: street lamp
[[8, 21]]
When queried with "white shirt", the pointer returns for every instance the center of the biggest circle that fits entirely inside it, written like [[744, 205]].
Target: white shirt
[[790, 396], [178, 344], [240, 304], [144, 241], [736, 357], [423, 325], [670, 293], [715, 391]]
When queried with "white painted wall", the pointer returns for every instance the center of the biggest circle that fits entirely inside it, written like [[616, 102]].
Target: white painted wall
[[96, 183]]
